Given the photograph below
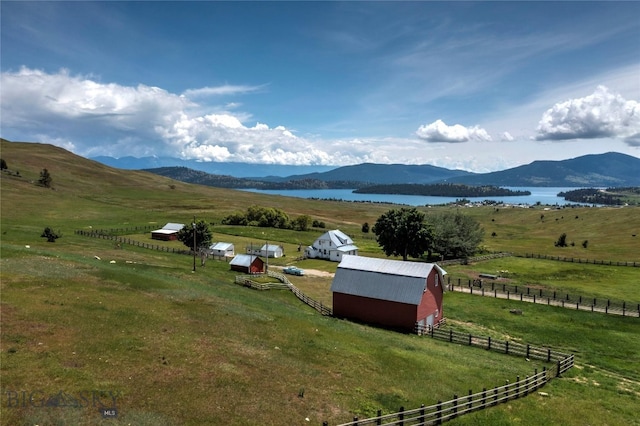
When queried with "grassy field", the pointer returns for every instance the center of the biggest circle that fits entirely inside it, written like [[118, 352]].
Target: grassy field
[[93, 323]]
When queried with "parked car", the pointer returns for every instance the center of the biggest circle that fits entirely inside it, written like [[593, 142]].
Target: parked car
[[292, 270]]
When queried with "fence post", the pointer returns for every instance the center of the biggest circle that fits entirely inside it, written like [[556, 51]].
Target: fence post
[[517, 387], [528, 348], [401, 417], [439, 413], [484, 397], [421, 419], [379, 420], [506, 347], [489, 343], [470, 339], [455, 406], [470, 399]]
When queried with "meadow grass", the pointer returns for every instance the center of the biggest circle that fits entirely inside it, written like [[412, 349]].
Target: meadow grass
[[178, 347]]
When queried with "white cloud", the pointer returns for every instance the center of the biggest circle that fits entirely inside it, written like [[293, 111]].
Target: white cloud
[[225, 90], [438, 131], [109, 119], [602, 114], [506, 137]]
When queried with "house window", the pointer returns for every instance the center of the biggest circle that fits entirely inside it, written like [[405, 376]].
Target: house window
[[437, 278]]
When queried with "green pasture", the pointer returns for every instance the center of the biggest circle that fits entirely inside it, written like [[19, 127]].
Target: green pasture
[[174, 347]]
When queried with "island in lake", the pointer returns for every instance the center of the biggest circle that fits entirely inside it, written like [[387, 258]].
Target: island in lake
[[441, 190]]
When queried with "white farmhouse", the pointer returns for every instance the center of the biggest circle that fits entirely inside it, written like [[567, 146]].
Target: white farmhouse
[[331, 245]]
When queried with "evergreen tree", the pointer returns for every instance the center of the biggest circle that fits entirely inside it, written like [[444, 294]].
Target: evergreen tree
[[45, 178]]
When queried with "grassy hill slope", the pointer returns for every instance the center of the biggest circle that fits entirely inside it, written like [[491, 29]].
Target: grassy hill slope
[[176, 347]]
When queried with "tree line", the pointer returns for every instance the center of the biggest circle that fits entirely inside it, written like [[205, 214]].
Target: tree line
[[408, 232], [441, 190]]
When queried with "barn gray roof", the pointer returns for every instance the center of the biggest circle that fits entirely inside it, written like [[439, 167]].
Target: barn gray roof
[[243, 260], [384, 279]]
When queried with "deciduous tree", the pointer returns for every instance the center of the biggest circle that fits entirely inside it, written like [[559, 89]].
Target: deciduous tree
[[403, 232], [455, 235], [203, 235]]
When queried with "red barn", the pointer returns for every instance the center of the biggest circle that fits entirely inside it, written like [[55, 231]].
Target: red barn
[[386, 292], [247, 263], [169, 232]]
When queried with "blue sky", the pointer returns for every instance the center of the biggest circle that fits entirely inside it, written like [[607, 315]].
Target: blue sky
[[480, 86]]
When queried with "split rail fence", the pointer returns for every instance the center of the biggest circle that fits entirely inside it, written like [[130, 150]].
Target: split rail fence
[[444, 411], [545, 297], [246, 280]]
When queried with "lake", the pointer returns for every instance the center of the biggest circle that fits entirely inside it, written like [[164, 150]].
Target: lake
[[543, 195]]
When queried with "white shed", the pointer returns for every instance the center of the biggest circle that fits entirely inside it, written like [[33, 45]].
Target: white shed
[[222, 250], [267, 250]]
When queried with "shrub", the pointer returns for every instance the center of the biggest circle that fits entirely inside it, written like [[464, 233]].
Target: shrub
[[50, 235]]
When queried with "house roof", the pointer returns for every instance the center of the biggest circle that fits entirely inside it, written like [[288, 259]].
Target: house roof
[[221, 246], [347, 248], [339, 238], [384, 279], [270, 247], [243, 260]]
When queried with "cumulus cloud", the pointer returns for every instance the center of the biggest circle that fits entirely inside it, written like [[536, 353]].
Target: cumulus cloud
[[438, 131], [95, 118], [599, 115]]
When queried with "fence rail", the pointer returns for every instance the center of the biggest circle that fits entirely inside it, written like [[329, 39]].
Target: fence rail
[[444, 411], [107, 235], [578, 260], [545, 297], [448, 410], [284, 284]]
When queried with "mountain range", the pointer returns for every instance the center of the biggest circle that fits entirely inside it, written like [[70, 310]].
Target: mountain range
[[611, 169]]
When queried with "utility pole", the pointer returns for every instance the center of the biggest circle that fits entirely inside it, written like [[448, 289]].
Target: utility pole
[[194, 244]]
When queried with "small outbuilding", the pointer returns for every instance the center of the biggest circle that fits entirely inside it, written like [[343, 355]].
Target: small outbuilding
[[222, 250], [168, 232], [247, 264], [332, 245], [390, 293], [267, 250]]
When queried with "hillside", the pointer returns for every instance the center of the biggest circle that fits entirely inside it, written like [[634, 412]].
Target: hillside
[[91, 321], [602, 170]]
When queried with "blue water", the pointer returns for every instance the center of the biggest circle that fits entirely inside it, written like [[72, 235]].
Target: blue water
[[543, 195]]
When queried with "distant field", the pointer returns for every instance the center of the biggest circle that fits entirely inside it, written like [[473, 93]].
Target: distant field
[[177, 347]]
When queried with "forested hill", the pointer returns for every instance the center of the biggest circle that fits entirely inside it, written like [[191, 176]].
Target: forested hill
[[441, 190], [188, 175]]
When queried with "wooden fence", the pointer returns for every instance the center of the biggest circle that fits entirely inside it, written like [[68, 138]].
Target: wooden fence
[[443, 411], [578, 260], [546, 297], [106, 235], [246, 280]]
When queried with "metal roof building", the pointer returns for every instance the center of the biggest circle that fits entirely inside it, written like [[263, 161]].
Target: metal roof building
[[388, 292]]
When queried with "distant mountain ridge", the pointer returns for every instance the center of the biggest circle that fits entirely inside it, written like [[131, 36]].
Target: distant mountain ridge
[[611, 169]]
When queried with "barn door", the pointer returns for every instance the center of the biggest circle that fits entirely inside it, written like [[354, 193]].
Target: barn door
[[430, 320]]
